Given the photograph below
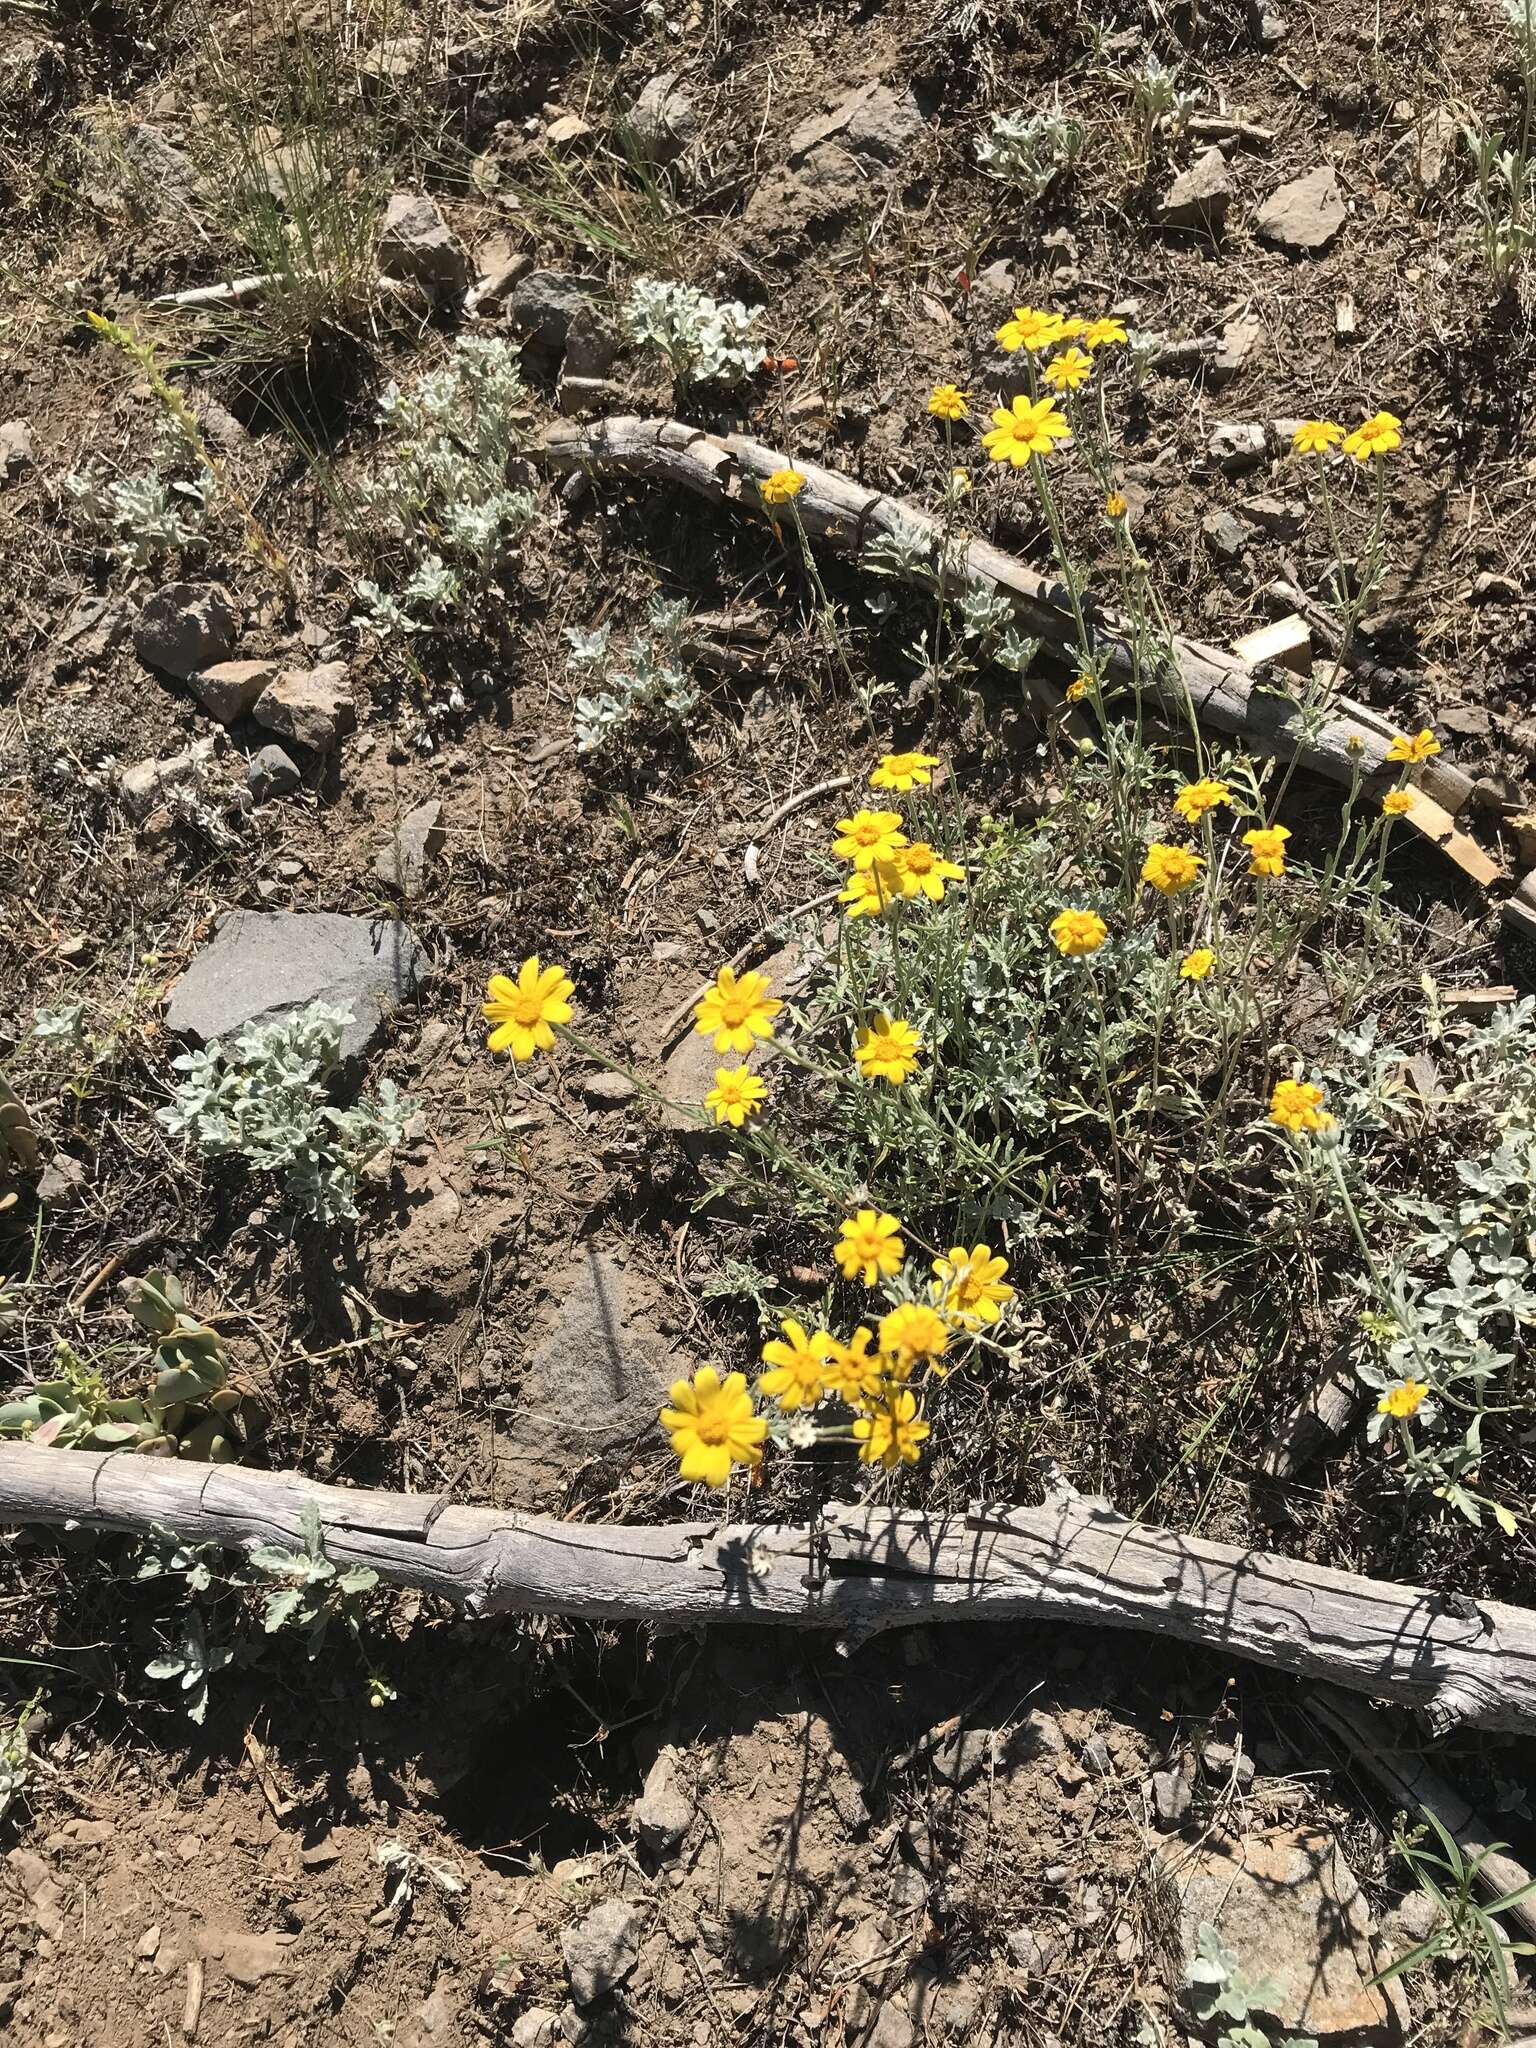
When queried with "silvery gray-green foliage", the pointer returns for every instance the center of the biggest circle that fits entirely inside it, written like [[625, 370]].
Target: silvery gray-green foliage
[[191, 1662], [704, 341], [63, 1022], [438, 512], [1218, 1988], [1458, 1297], [146, 515], [652, 682], [265, 1097], [1157, 101], [16, 1754], [1027, 151]]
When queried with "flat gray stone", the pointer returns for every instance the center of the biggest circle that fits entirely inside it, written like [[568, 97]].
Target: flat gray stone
[[1305, 215], [1225, 535], [229, 689], [261, 965], [271, 772], [143, 785], [603, 1947], [594, 1383], [1288, 1906], [545, 302], [1200, 196], [664, 1811], [185, 627], [1236, 444], [314, 706], [401, 862], [415, 244], [662, 121], [874, 121]]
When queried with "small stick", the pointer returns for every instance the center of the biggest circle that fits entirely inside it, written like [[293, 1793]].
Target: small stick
[[806, 796], [192, 2009]]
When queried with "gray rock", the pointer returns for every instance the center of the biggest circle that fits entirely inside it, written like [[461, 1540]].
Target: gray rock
[[876, 122], [498, 266], [61, 1179], [229, 689], [313, 706], [93, 628], [1096, 1759], [415, 245], [594, 1382], [271, 772], [401, 862], [1239, 339], [133, 162], [965, 1755], [262, 965], [391, 61], [1224, 535], [602, 1948], [664, 1811], [1224, 1763], [1305, 215], [1030, 1951], [535, 2028], [1434, 143], [185, 627], [17, 454], [1200, 196], [545, 302], [607, 1091], [1466, 721], [566, 129], [1171, 1798], [143, 785], [1490, 588], [662, 122], [1290, 1907], [1236, 445], [1281, 518]]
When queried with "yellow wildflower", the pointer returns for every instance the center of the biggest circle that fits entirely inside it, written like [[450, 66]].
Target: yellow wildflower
[[1105, 333], [892, 1432], [1404, 1399], [926, 870], [1066, 372], [736, 1095], [1316, 437], [1397, 803], [1298, 1106], [850, 1372], [1378, 435], [1196, 798], [870, 1245], [1029, 427], [1076, 932], [1422, 747], [525, 1011], [869, 836], [1030, 330], [1197, 964], [971, 1289], [912, 1331], [1266, 847], [886, 1049], [945, 402], [1079, 688], [712, 1426], [868, 892], [779, 488], [796, 1358], [1116, 505], [736, 1011], [1171, 869], [904, 771]]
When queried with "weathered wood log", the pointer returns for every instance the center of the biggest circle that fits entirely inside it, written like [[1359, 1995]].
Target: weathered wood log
[[1200, 681], [864, 1569]]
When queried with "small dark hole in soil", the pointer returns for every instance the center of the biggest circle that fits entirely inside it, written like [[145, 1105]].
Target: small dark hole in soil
[[549, 1780]]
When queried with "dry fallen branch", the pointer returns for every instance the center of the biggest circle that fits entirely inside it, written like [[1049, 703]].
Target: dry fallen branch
[[868, 1568], [1203, 681]]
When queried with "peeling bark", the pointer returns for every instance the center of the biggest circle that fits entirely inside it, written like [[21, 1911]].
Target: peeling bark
[[868, 1568]]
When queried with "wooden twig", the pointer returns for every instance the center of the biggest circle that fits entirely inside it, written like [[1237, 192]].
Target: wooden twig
[[1412, 1783], [1198, 682], [864, 1569]]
